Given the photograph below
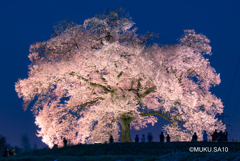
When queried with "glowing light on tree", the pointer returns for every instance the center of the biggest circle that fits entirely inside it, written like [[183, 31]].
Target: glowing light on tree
[[91, 79]]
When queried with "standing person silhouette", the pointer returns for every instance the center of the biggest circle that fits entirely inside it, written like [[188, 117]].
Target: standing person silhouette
[[64, 142], [10, 152], [168, 138], [13, 151], [143, 139], [161, 137], [226, 136], [194, 137], [150, 137], [136, 139], [6, 153], [111, 139], [219, 137], [204, 136], [215, 136]]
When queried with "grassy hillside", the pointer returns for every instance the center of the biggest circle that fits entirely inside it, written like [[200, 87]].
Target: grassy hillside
[[137, 151]]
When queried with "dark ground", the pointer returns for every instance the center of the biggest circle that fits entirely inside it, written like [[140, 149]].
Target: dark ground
[[138, 151]]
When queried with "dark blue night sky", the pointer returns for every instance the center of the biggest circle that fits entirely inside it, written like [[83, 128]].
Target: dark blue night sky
[[25, 22]]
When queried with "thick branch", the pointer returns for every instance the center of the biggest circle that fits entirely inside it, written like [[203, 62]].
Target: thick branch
[[81, 107], [156, 113], [159, 114], [92, 84], [149, 90], [101, 77], [140, 96]]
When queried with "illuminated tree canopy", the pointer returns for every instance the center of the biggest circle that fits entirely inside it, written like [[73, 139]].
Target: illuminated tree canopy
[[89, 80]]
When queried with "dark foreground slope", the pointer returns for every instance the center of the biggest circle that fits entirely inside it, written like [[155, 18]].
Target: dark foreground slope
[[137, 151]]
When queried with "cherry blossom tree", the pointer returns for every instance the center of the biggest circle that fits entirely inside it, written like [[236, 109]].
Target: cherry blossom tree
[[101, 78]]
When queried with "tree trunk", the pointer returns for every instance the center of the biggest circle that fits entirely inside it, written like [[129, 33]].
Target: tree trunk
[[125, 133]]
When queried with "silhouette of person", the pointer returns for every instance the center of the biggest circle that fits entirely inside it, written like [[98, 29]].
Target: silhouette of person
[[161, 137], [150, 137], [226, 136], [6, 153], [10, 152], [143, 138], [13, 151], [64, 142], [220, 136], [168, 138], [111, 139], [205, 136], [194, 137], [136, 139], [214, 136]]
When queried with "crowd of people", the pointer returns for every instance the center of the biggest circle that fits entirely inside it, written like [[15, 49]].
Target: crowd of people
[[150, 138], [8, 152], [216, 137]]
